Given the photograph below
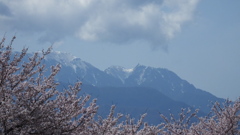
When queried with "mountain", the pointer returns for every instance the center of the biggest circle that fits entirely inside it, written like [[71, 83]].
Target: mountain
[[74, 69], [143, 77], [170, 85]]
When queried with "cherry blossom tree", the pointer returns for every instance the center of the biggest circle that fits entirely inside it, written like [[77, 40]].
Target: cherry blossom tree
[[222, 120], [31, 104]]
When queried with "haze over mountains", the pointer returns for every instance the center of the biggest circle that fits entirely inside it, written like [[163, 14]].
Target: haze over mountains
[[135, 91]]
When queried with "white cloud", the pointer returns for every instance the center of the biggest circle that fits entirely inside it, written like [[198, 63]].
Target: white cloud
[[115, 21]]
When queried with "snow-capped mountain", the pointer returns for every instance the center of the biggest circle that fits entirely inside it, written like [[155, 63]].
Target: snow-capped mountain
[[159, 78], [74, 69], [62, 57], [165, 81], [170, 85]]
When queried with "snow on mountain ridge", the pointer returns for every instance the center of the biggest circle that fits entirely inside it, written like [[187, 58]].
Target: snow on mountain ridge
[[119, 72], [62, 57], [78, 63], [141, 77], [68, 59], [128, 70]]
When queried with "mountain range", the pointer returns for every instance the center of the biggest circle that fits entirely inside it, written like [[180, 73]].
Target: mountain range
[[135, 91]]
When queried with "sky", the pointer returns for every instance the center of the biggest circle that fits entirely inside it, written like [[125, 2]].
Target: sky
[[199, 40]]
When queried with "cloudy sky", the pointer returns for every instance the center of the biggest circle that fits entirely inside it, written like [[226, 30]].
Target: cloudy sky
[[197, 39]]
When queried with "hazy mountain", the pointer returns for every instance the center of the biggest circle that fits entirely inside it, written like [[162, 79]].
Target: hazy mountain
[[170, 85], [143, 77], [74, 69]]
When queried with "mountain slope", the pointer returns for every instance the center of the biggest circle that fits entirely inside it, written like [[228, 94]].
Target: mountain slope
[[135, 101]]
